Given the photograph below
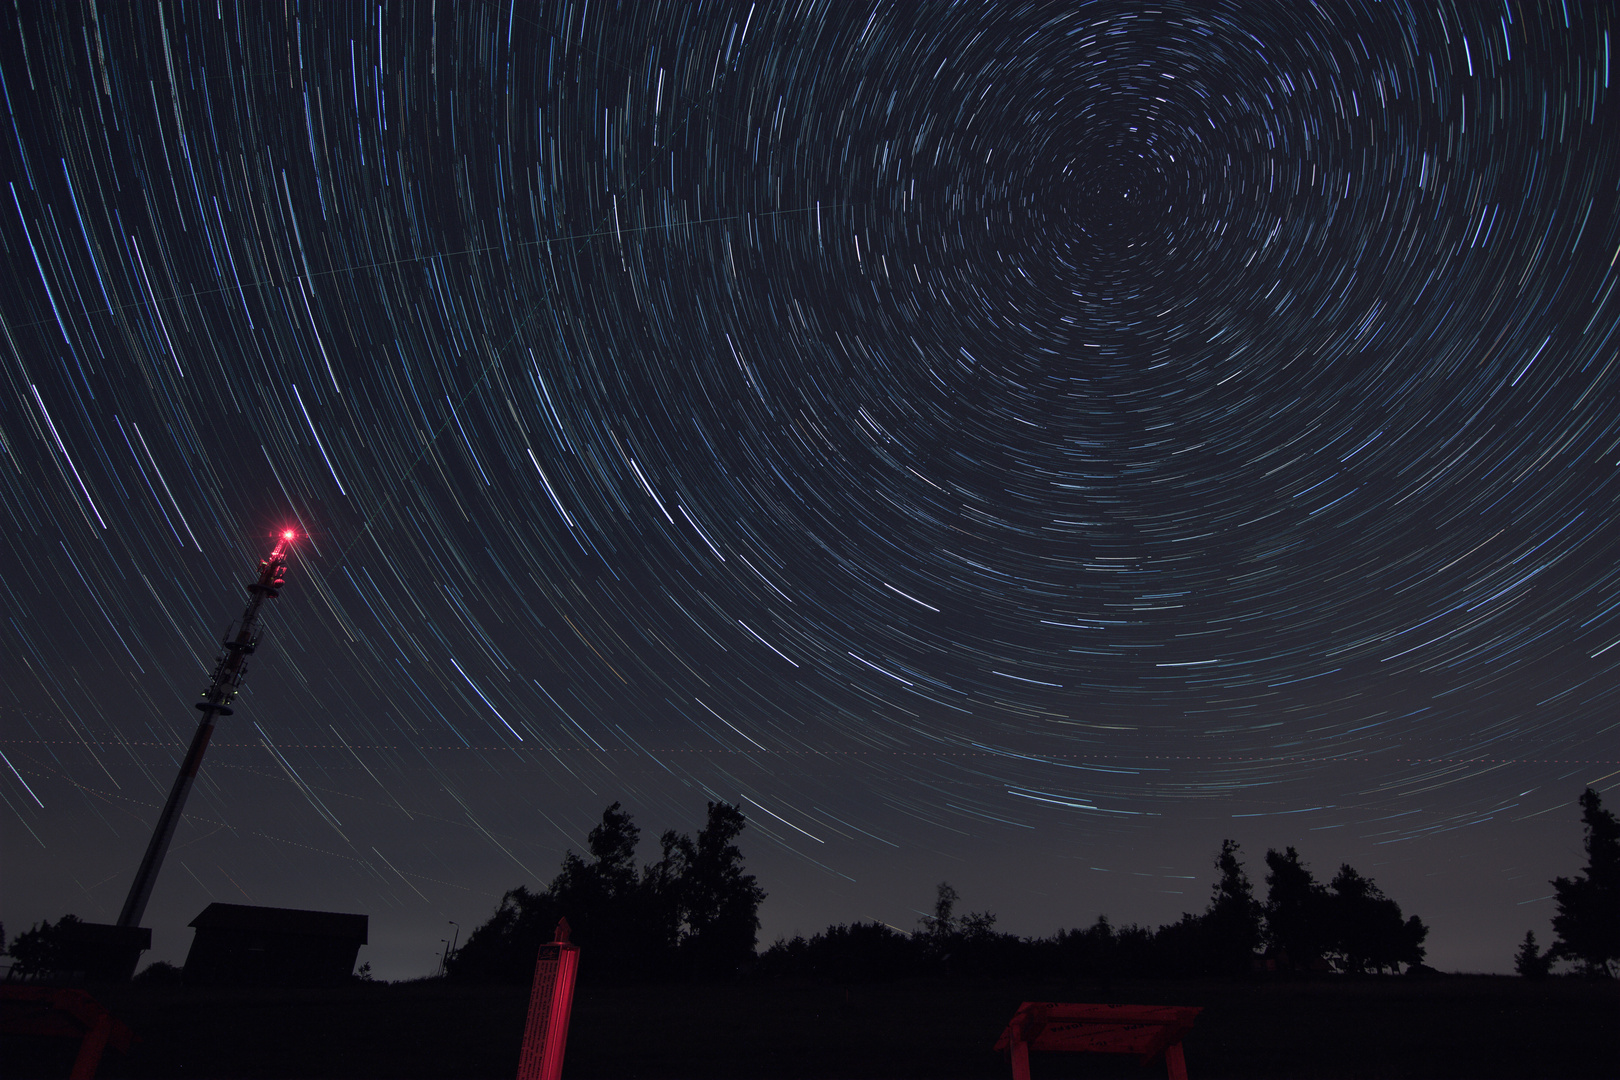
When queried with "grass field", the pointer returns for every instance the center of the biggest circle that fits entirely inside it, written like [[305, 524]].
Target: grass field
[[1453, 1026]]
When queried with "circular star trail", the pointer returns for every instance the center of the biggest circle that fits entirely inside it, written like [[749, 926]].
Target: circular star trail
[[952, 432]]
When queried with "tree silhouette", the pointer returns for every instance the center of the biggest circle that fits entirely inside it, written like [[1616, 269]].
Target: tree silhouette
[[719, 902], [503, 949], [858, 953], [1530, 961], [1351, 922], [968, 944], [1104, 953], [1232, 923], [934, 932], [663, 904], [37, 952], [603, 899], [1367, 931], [1588, 919], [695, 909], [1296, 910]]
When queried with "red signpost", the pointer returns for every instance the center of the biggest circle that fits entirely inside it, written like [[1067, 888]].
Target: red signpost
[[545, 1035], [1147, 1030]]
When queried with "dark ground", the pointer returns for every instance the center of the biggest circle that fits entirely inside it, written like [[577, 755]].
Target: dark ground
[[1450, 1026]]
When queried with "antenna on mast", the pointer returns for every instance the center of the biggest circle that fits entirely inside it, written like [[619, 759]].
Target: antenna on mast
[[229, 669]]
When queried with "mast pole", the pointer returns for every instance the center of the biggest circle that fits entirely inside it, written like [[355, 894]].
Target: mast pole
[[229, 669]]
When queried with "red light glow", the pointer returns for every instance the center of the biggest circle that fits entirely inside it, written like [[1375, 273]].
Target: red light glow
[[288, 535]]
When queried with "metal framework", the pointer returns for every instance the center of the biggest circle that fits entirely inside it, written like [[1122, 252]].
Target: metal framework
[[229, 669]]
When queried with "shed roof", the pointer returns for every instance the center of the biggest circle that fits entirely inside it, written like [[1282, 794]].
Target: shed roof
[[269, 920]]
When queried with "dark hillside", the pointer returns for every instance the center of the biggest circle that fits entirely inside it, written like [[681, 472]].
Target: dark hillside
[[1457, 1026]]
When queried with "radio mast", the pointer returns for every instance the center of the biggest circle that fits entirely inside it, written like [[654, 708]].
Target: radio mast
[[229, 670]]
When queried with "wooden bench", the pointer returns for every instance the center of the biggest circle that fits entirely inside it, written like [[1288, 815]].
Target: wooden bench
[[1145, 1030], [62, 1012]]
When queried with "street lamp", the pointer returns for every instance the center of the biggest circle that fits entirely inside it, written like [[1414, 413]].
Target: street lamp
[[449, 945]]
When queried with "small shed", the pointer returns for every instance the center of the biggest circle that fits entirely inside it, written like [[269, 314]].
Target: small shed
[[239, 945], [98, 952]]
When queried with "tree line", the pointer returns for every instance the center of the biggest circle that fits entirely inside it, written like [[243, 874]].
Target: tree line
[[1347, 925], [694, 913]]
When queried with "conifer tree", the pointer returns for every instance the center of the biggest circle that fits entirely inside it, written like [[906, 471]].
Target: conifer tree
[[1588, 919], [1530, 961]]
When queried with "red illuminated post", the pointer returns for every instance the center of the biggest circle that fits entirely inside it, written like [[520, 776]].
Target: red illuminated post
[[545, 1036], [228, 672], [1020, 1059]]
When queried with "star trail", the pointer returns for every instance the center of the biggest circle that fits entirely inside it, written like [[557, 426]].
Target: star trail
[[1014, 444]]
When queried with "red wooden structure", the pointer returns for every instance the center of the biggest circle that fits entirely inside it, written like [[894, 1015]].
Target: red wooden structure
[[545, 1036], [50, 1010], [1147, 1030]]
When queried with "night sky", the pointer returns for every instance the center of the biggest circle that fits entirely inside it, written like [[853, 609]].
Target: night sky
[[1018, 446]]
